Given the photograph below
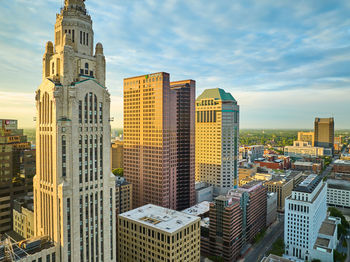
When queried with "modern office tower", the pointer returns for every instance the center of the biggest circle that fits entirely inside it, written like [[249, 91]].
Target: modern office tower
[[324, 132], [74, 190], [308, 137], [153, 233], [123, 195], [217, 131], [183, 93], [157, 135], [117, 154], [17, 168], [305, 210], [234, 221]]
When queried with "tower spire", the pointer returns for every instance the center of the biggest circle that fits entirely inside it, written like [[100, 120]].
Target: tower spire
[[68, 3]]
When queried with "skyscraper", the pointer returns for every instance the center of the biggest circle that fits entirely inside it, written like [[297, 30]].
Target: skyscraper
[[183, 93], [324, 132], [158, 140], [217, 131], [74, 190]]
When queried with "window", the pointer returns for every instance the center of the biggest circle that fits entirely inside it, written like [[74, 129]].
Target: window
[[73, 36], [86, 69], [81, 37], [87, 39], [64, 156]]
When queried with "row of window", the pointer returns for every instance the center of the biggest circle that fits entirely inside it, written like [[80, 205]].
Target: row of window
[[91, 113]]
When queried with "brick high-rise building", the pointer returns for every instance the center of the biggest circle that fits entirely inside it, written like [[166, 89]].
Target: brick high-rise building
[[217, 139], [17, 168], [324, 132], [74, 190], [159, 140], [234, 221]]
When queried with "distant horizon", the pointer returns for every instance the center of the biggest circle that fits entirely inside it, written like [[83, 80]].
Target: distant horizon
[[284, 62]]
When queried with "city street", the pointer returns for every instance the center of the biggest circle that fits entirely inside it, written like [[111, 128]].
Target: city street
[[257, 251]]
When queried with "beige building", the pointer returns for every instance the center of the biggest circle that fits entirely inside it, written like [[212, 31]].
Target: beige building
[[302, 148], [217, 140], [153, 233], [307, 137], [74, 190], [324, 132], [283, 188], [23, 219], [117, 154]]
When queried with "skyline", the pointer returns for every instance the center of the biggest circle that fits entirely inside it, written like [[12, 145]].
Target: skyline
[[284, 63]]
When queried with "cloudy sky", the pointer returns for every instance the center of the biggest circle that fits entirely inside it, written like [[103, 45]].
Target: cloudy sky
[[285, 62]]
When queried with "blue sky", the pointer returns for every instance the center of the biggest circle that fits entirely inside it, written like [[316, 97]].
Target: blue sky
[[285, 62]]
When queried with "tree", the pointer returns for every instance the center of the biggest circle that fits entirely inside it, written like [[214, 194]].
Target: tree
[[118, 172]]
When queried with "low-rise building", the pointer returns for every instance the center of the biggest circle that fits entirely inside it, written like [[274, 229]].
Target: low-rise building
[[326, 241], [338, 193], [155, 233], [251, 153], [307, 166], [345, 156], [23, 217], [341, 166], [200, 210], [275, 258], [303, 150], [29, 250]]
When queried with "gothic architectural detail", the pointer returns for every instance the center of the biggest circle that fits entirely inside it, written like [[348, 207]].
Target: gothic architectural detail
[[74, 189]]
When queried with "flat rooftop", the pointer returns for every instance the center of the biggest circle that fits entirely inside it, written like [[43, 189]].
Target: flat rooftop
[[323, 242], [199, 209], [342, 162], [160, 218], [338, 184], [328, 227], [301, 163], [309, 184]]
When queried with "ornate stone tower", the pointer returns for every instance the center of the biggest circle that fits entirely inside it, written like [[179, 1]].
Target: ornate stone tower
[[74, 188]]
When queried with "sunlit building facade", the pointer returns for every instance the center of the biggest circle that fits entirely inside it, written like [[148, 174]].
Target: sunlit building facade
[[159, 140], [217, 139], [74, 190]]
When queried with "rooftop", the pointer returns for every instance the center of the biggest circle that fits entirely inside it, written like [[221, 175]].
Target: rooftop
[[342, 162], [161, 218], [338, 184], [309, 184], [216, 94], [274, 258], [199, 209], [324, 242], [328, 227], [300, 163]]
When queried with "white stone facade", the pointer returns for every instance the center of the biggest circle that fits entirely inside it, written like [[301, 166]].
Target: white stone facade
[[74, 189], [305, 210]]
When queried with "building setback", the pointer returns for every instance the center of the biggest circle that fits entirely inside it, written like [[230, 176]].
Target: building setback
[[217, 138], [74, 190], [158, 140]]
